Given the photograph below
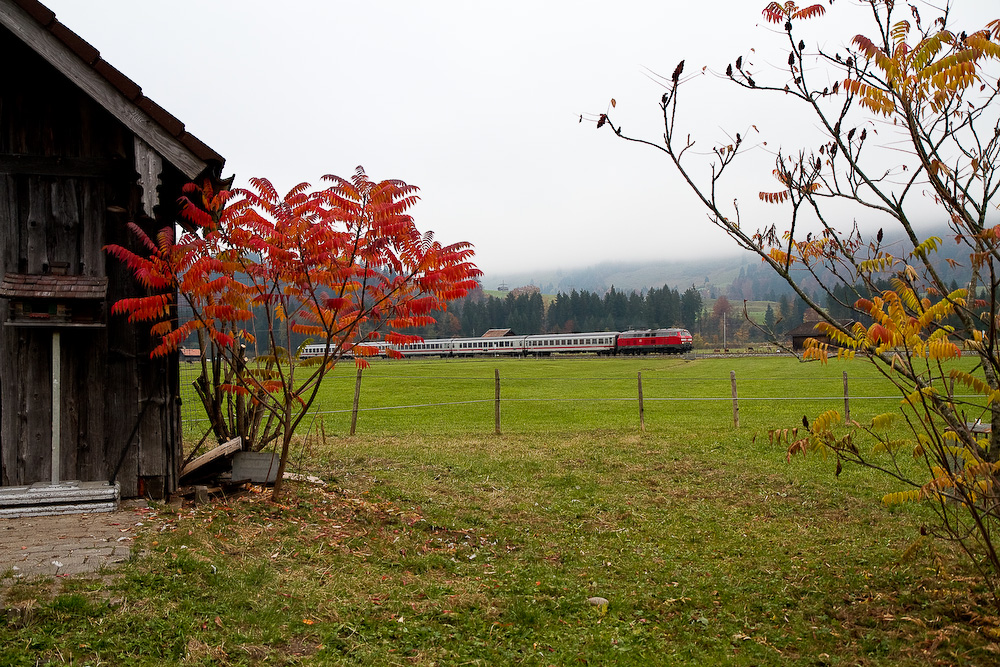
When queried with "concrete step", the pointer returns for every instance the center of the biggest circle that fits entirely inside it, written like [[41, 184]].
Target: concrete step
[[71, 497]]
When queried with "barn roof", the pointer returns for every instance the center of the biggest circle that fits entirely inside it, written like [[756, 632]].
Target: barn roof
[[811, 328], [36, 25]]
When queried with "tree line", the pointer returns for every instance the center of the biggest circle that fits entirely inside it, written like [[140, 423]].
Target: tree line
[[525, 311]]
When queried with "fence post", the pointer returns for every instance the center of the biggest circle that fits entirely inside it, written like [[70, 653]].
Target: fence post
[[642, 412], [496, 408], [357, 398], [736, 403], [847, 403]]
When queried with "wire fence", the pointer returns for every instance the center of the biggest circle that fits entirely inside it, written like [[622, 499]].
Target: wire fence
[[386, 403]]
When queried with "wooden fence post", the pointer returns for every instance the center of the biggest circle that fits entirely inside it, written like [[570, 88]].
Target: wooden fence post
[[496, 408], [357, 398], [642, 413], [847, 403], [736, 403]]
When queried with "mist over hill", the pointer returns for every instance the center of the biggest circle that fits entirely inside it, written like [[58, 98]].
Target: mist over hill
[[754, 279], [625, 276]]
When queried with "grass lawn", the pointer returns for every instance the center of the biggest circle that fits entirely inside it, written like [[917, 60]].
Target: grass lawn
[[435, 541], [584, 392]]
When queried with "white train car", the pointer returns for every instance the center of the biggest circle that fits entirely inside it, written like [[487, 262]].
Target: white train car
[[317, 349], [427, 348], [546, 344], [314, 350], [538, 345], [507, 345], [462, 347]]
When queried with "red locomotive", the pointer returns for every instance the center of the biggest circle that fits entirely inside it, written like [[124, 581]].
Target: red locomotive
[[670, 341]]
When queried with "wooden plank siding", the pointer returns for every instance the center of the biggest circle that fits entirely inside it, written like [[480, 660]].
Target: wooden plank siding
[[67, 188]]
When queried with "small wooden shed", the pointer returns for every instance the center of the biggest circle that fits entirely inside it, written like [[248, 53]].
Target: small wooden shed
[[82, 153], [808, 329]]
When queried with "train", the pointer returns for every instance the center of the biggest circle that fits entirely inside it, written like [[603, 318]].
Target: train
[[637, 341]]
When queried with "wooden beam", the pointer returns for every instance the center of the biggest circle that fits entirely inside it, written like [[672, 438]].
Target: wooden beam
[[234, 445], [96, 86], [149, 166], [68, 167]]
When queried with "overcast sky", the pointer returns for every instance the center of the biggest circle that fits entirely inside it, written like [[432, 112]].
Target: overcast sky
[[476, 103]]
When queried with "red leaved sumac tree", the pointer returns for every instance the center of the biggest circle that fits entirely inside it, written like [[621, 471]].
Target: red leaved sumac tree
[[342, 266], [907, 123]]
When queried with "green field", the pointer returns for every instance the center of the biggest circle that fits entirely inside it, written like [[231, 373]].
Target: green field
[[431, 396], [435, 541]]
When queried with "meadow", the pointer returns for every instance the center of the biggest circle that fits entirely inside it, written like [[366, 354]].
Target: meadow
[[456, 396], [433, 541]]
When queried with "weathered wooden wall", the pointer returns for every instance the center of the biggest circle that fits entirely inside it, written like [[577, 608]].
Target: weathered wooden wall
[[67, 188]]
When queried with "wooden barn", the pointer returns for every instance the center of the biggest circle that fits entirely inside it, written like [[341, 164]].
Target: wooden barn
[[808, 329], [82, 153]]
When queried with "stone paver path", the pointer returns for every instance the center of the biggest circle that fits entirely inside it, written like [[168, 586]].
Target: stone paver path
[[69, 544]]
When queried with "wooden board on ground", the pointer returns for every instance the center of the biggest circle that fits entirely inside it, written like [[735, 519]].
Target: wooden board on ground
[[225, 449]]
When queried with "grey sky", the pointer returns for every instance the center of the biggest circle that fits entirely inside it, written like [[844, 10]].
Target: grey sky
[[475, 103]]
